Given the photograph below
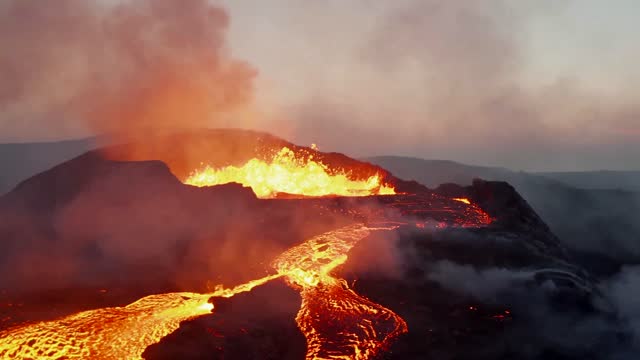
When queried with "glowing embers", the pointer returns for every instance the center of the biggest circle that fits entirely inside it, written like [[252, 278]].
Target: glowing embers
[[291, 173]]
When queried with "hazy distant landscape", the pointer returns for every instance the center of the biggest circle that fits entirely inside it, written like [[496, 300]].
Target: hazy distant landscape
[[603, 179], [19, 161]]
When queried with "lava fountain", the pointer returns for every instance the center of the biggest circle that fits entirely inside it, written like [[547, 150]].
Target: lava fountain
[[291, 173]]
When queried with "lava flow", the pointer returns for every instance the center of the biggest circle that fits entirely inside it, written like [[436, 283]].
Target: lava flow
[[114, 332], [291, 173], [337, 322]]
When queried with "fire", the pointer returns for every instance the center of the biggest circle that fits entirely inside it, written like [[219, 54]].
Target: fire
[[290, 173]]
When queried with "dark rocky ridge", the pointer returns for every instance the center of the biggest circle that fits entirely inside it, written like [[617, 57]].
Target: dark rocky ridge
[[595, 218]]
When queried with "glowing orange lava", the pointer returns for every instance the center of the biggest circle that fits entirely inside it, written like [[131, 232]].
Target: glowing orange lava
[[290, 173], [337, 322], [463, 200], [114, 332]]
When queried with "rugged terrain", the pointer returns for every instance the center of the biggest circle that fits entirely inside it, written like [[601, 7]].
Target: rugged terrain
[[483, 278]]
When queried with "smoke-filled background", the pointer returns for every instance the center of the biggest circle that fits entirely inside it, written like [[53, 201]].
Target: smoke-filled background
[[77, 67], [528, 85]]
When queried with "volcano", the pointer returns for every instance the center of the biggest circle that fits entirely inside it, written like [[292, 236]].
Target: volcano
[[237, 244]]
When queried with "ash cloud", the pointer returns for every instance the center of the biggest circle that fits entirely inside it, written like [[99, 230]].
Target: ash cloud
[[81, 67]]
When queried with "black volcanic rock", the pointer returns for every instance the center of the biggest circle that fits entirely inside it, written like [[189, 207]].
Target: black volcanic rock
[[60, 185], [597, 223], [501, 201], [249, 326], [510, 212], [483, 294], [91, 221]]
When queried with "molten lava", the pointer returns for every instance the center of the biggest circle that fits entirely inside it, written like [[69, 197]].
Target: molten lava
[[337, 322], [108, 333], [462, 200], [291, 173], [115, 332]]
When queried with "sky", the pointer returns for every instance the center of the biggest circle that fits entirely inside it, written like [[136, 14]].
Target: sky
[[529, 85], [532, 85]]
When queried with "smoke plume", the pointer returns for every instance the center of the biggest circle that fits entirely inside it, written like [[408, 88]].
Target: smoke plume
[[80, 67]]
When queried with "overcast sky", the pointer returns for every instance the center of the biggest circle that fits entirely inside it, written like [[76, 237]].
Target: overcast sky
[[532, 85]]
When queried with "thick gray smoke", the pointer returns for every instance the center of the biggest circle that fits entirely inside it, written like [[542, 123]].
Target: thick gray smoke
[[78, 66]]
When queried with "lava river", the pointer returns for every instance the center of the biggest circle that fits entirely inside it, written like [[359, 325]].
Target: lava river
[[337, 322]]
